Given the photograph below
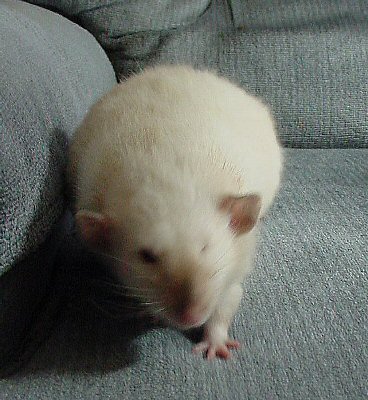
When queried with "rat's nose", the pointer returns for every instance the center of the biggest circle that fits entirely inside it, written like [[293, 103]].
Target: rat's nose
[[190, 317]]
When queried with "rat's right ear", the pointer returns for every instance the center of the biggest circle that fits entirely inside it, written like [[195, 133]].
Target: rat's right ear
[[243, 210], [95, 229]]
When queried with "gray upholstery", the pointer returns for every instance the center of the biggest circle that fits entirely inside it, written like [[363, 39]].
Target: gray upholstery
[[310, 74], [51, 71], [265, 14], [131, 27], [305, 58], [303, 323]]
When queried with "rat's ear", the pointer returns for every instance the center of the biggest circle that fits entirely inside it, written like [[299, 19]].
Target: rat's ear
[[95, 229], [244, 211]]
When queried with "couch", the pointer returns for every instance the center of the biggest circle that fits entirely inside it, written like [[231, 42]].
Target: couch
[[303, 320]]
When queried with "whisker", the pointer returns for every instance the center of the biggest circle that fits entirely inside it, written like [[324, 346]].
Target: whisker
[[157, 311], [109, 256], [121, 306], [126, 291], [119, 286], [149, 303], [216, 272], [108, 313], [223, 255]]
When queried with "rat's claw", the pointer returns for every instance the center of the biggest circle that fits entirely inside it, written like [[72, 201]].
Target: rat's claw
[[216, 350], [232, 344], [211, 353], [201, 347]]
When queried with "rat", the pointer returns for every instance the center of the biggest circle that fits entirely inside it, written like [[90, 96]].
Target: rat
[[172, 172]]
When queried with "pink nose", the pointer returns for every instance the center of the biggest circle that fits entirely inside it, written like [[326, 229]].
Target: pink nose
[[188, 317]]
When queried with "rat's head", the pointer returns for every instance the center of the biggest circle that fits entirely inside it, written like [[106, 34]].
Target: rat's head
[[178, 261]]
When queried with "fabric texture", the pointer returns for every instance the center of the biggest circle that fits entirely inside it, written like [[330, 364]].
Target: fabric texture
[[265, 14], [302, 323], [131, 27], [27, 293], [307, 59], [51, 71], [313, 75]]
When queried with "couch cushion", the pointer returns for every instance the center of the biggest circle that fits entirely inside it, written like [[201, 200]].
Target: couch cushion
[[315, 80], [51, 71], [303, 322], [133, 27], [313, 74], [306, 59], [30, 301], [266, 14]]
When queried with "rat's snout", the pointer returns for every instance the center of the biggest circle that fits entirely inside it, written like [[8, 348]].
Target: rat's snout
[[190, 317], [187, 309]]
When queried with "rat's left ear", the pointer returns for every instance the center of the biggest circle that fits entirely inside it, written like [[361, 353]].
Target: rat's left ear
[[244, 211], [95, 229]]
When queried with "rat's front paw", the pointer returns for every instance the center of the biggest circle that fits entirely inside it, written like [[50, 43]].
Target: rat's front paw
[[216, 342], [216, 349]]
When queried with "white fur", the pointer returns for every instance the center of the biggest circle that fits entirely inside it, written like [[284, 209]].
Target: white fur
[[157, 154]]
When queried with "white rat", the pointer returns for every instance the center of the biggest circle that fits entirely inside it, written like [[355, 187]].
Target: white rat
[[172, 170]]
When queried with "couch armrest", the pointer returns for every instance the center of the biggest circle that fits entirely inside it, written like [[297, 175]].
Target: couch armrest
[[51, 71]]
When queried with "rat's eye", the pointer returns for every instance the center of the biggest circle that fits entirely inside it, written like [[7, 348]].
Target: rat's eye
[[148, 256], [204, 248]]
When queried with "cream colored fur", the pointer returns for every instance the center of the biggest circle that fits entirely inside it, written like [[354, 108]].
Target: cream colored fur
[[156, 155]]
